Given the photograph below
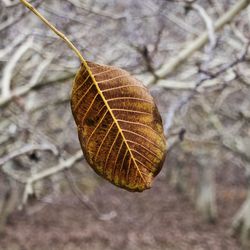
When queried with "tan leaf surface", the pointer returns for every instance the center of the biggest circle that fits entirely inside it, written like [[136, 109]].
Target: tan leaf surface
[[119, 126]]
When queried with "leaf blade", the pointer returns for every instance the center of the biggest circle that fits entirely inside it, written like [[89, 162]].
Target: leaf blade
[[100, 123]]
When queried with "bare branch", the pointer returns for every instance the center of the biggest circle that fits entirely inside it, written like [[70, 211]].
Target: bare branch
[[200, 41], [8, 70], [209, 76], [64, 164], [41, 68], [11, 46], [28, 148], [209, 24]]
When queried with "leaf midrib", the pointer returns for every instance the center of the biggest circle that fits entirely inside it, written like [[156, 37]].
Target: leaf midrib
[[114, 118]]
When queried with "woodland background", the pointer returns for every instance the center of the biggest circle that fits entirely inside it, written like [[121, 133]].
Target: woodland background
[[194, 57]]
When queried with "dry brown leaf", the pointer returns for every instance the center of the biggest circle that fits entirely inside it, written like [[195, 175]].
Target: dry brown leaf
[[119, 126]]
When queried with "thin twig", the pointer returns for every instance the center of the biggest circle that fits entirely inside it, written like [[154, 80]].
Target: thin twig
[[53, 28]]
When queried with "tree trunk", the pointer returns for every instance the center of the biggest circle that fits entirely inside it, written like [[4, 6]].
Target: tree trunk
[[205, 200], [9, 203], [177, 177], [241, 221]]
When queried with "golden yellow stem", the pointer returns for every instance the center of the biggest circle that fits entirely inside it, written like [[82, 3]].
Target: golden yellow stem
[[52, 27]]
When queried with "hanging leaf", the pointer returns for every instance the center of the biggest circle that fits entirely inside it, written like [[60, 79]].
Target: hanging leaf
[[119, 126]]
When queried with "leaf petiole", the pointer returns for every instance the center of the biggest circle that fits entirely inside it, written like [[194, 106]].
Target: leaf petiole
[[54, 29]]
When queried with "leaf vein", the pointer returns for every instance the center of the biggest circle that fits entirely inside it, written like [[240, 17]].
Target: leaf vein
[[140, 124], [153, 153], [85, 80], [78, 103], [132, 111], [129, 98], [124, 86], [99, 122], [117, 156], [146, 139], [107, 133], [117, 134], [90, 106], [114, 78], [146, 158]]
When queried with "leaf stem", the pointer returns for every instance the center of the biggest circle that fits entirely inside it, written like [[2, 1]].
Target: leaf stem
[[52, 27]]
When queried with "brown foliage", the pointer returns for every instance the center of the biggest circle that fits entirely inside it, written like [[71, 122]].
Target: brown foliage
[[119, 126]]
